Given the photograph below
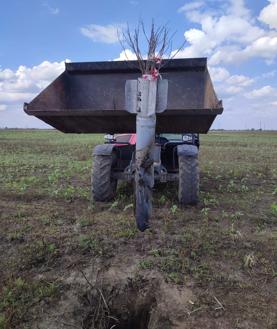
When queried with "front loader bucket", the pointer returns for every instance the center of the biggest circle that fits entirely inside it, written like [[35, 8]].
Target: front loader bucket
[[90, 98]]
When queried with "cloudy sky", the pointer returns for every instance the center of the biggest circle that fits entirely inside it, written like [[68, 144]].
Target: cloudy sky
[[238, 37]]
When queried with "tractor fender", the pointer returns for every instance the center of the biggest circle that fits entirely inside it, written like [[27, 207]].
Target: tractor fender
[[186, 150], [103, 149]]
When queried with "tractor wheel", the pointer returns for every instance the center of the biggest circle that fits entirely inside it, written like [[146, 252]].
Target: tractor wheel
[[188, 180], [103, 186]]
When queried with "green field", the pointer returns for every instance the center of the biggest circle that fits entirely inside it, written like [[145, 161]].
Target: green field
[[67, 262]]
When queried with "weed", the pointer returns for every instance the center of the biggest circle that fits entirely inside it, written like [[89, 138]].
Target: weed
[[236, 215], [87, 242], [155, 252], [39, 252], [128, 233], [19, 295], [16, 236], [55, 176], [174, 277], [249, 260], [234, 234], [201, 273], [274, 208], [174, 209], [210, 201], [84, 222], [205, 212], [146, 264], [162, 200], [170, 263], [51, 248], [114, 205], [3, 321]]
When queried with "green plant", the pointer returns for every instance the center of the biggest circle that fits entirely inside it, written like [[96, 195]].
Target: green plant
[[174, 209], [51, 248], [162, 200], [84, 222], [146, 264], [3, 321], [274, 208], [205, 212], [155, 252], [129, 233], [87, 242], [55, 176], [114, 205], [236, 215], [18, 296]]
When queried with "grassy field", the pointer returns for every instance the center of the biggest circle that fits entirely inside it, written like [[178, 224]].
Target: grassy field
[[69, 263]]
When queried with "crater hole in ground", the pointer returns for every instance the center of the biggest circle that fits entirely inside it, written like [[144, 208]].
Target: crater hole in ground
[[137, 320], [124, 307]]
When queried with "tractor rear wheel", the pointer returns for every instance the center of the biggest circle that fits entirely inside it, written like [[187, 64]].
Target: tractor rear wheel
[[103, 185], [188, 180]]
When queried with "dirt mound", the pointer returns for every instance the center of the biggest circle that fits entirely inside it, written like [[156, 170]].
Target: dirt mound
[[119, 299]]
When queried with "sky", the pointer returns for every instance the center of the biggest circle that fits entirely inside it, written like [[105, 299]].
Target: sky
[[238, 37]]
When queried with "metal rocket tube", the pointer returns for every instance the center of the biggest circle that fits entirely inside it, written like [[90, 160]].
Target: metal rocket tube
[[145, 129]]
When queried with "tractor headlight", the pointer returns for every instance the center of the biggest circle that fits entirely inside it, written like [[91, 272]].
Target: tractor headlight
[[187, 138]]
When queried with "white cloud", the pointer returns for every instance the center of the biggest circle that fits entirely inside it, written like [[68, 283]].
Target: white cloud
[[219, 74], [237, 8], [265, 47], [227, 84], [6, 74], [274, 104], [240, 80], [228, 35], [103, 33], [191, 6], [269, 14], [24, 83], [15, 97], [232, 90], [261, 92], [126, 55]]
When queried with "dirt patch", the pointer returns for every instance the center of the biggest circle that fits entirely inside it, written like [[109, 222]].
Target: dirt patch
[[119, 299]]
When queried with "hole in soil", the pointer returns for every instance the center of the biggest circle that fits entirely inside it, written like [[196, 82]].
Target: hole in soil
[[121, 307], [138, 320]]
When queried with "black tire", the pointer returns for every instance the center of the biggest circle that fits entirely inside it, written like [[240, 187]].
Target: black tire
[[143, 207], [188, 180], [103, 186]]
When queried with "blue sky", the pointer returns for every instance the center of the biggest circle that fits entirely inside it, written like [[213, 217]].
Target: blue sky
[[238, 37]]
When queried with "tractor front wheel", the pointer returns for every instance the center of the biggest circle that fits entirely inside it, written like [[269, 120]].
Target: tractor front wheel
[[188, 180], [103, 185]]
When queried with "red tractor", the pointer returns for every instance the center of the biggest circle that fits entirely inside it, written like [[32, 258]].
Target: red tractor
[[176, 159]]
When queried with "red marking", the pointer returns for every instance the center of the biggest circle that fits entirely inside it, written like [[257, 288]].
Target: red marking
[[132, 140]]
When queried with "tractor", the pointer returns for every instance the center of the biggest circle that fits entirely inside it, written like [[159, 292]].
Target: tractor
[[167, 108], [175, 159]]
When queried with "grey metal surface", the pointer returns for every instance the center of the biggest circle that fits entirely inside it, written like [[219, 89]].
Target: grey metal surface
[[90, 98], [131, 97]]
